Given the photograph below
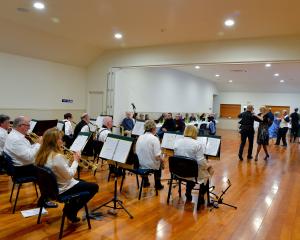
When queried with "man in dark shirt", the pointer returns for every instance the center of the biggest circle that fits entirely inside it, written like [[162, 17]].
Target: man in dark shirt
[[179, 123], [295, 124], [169, 125], [247, 130]]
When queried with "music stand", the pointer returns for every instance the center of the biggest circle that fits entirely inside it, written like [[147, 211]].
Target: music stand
[[116, 157]]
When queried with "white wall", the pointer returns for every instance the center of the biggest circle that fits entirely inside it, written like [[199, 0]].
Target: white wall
[[257, 100], [36, 87], [161, 90]]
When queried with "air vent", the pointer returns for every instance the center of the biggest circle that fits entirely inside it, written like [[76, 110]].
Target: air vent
[[238, 70]]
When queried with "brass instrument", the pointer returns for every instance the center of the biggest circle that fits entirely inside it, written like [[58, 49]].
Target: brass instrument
[[84, 163], [32, 137]]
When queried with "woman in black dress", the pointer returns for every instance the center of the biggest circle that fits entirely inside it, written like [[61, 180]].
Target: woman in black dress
[[263, 133]]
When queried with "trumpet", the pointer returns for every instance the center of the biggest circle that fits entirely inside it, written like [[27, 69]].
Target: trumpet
[[84, 163], [32, 137]]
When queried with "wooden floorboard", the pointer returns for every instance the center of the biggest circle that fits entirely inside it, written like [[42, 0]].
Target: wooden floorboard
[[267, 195]]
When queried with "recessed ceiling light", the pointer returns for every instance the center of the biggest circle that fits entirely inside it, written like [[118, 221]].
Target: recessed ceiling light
[[282, 81], [197, 67], [229, 22], [118, 35], [39, 5], [230, 81], [217, 75], [268, 65], [276, 74]]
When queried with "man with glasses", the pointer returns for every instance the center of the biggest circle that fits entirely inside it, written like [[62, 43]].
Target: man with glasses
[[4, 126]]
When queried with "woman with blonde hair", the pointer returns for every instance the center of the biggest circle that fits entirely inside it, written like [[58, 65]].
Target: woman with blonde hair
[[190, 147], [263, 132], [50, 155]]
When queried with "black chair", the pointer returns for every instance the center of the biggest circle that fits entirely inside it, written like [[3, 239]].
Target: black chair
[[138, 172], [49, 190], [10, 169], [181, 168]]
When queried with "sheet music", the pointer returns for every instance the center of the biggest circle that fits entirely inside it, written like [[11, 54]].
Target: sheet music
[[122, 151], [99, 121], [203, 140], [79, 143], [32, 125], [116, 130], [33, 212], [212, 146], [109, 148], [60, 126], [93, 128], [138, 128], [168, 141]]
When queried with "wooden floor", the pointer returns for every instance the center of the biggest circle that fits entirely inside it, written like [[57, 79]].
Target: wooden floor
[[267, 195]]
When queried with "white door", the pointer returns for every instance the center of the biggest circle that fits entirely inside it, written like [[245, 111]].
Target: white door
[[95, 103]]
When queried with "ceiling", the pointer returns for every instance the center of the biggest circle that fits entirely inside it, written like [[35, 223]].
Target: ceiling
[[86, 27], [252, 77]]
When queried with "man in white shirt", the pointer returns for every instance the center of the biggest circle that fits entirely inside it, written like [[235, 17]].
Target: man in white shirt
[[149, 153], [20, 149], [68, 130], [4, 126], [105, 129]]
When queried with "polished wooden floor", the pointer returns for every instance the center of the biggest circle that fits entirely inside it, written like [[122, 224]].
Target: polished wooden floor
[[267, 194]]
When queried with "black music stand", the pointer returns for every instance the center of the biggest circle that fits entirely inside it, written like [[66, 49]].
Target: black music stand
[[115, 199]]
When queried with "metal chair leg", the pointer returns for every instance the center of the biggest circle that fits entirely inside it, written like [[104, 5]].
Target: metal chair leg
[[137, 181], [122, 181], [198, 202], [14, 209], [12, 190], [62, 225], [170, 188], [36, 191], [179, 188], [141, 188], [40, 214], [87, 215]]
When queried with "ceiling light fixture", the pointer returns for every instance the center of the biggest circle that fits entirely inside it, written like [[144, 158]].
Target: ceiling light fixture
[[217, 75], [230, 81], [39, 5], [276, 74], [268, 65], [229, 22], [197, 67], [118, 35], [282, 81]]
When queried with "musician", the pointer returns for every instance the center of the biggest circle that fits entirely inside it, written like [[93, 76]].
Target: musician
[[127, 123], [105, 129], [50, 155], [179, 123], [68, 129], [149, 153], [168, 125], [4, 126], [192, 118], [20, 149], [190, 147], [83, 125]]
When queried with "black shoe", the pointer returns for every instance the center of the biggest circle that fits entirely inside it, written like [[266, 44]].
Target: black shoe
[[189, 197], [241, 157], [284, 145], [249, 157], [73, 219], [146, 184], [201, 200], [159, 187], [47, 204]]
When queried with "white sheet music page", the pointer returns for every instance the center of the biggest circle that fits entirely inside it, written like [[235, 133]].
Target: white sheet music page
[[79, 143], [99, 121], [60, 126], [168, 141], [109, 148], [93, 128], [122, 151], [212, 146], [138, 128], [203, 140], [32, 125]]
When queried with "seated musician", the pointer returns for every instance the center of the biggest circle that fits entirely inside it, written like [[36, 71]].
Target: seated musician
[[168, 125], [211, 125], [4, 126], [68, 129], [149, 153], [127, 123], [20, 149], [105, 129], [193, 118], [179, 123], [50, 155], [190, 147]]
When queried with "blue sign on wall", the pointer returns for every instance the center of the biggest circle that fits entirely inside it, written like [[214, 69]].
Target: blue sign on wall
[[67, 100]]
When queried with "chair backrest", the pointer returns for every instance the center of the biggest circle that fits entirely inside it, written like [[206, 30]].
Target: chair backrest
[[9, 164], [183, 167], [47, 183]]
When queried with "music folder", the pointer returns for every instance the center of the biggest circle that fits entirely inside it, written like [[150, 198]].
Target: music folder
[[116, 148], [32, 123], [169, 140], [60, 125], [80, 142], [138, 128], [92, 127]]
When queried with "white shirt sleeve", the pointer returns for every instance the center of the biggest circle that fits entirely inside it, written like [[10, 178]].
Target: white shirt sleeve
[[3, 136], [62, 169], [68, 128], [202, 162], [85, 129], [156, 147]]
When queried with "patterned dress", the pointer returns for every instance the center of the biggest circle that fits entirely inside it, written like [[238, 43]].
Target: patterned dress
[[273, 130], [263, 131]]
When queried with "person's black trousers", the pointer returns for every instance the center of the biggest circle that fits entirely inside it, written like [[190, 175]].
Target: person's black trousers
[[244, 135], [71, 209], [282, 135], [294, 132]]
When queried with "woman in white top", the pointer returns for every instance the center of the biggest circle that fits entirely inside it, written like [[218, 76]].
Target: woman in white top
[[50, 155], [190, 147]]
